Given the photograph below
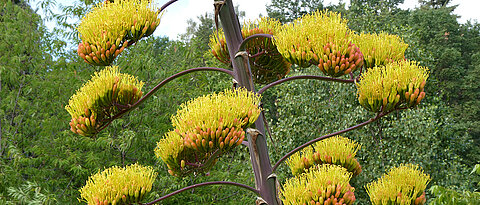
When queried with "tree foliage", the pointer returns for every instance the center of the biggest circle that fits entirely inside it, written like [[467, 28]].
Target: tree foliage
[[287, 11]]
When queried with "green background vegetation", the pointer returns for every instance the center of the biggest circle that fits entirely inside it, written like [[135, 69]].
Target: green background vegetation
[[42, 162]]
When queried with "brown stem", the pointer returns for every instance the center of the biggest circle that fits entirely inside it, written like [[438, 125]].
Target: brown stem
[[252, 37], [167, 4], [315, 77], [325, 137], [204, 184], [260, 160], [257, 54], [161, 84]]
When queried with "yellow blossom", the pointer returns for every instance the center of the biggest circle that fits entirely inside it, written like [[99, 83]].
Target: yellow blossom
[[401, 185], [206, 127], [301, 161], [324, 184], [103, 96], [380, 49], [230, 108], [117, 185], [396, 84], [112, 26], [335, 150], [322, 39]]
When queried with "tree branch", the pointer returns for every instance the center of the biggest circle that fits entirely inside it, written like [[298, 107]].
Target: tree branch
[[315, 77], [204, 184]]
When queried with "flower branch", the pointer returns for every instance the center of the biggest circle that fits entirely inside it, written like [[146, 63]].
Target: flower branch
[[252, 37], [304, 77], [204, 184], [379, 115], [161, 84], [167, 4]]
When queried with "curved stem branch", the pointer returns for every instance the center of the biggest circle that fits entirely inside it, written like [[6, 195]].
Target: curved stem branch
[[315, 77], [325, 137], [161, 84], [204, 184], [167, 4], [254, 36]]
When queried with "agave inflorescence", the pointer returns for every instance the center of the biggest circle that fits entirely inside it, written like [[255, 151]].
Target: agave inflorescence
[[266, 62], [380, 49], [385, 88], [106, 94], [401, 185], [336, 150], [117, 185], [322, 39], [112, 26], [206, 126], [325, 184]]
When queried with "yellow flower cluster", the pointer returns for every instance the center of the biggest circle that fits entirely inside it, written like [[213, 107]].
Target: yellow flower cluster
[[263, 25], [380, 49], [112, 26], [325, 184], [169, 148], [266, 67], [401, 185], [336, 150], [117, 185], [207, 125], [322, 39], [107, 93], [385, 88]]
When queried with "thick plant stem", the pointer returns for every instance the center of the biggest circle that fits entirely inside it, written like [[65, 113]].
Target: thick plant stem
[[261, 165]]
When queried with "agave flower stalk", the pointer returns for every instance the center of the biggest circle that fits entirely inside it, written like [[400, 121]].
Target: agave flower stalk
[[110, 27], [200, 135], [394, 85], [405, 184], [117, 185]]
